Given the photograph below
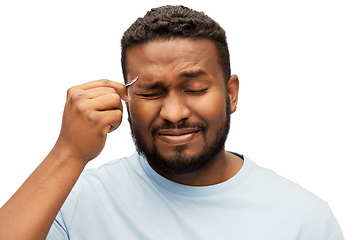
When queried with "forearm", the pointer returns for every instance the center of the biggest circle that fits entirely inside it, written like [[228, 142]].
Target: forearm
[[30, 212], [92, 110]]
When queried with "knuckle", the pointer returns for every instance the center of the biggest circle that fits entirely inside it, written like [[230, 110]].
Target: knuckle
[[116, 97], [82, 107], [93, 117], [115, 116], [105, 82], [118, 114], [75, 96], [112, 90], [70, 92], [115, 100]]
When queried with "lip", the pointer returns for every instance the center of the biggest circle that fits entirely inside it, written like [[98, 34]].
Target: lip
[[177, 136]]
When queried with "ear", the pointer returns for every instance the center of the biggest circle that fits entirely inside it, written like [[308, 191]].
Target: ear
[[233, 91]]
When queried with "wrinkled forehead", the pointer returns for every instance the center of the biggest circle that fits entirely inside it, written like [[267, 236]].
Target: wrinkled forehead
[[183, 57]]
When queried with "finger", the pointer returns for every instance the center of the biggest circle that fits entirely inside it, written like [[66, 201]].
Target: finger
[[112, 118], [79, 95], [97, 92], [106, 102], [118, 87]]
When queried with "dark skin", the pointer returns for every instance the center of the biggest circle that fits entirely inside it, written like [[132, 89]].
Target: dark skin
[[94, 109], [186, 85]]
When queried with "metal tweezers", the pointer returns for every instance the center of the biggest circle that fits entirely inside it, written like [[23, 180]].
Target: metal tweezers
[[131, 82]]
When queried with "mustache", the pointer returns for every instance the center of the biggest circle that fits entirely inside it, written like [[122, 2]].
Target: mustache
[[170, 125]]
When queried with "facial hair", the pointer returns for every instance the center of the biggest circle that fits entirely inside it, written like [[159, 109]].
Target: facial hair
[[180, 163]]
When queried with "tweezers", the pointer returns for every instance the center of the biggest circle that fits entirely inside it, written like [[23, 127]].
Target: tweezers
[[131, 82]]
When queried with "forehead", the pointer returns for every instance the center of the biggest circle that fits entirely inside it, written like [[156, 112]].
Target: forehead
[[166, 58]]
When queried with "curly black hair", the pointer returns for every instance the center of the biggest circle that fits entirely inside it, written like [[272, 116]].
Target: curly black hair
[[168, 22]]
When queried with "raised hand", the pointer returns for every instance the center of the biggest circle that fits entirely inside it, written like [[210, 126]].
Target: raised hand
[[92, 110]]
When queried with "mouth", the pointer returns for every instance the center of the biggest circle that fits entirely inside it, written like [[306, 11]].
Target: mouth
[[177, 136]]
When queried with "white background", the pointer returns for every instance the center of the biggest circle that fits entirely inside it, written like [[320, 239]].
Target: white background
[[298, 64]]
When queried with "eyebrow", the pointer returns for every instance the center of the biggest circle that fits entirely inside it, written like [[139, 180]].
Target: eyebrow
[[193, 74], [185, 74], [150, 86]]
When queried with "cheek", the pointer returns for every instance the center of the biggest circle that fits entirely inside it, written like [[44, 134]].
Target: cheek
[[211, 108], [142, 114]]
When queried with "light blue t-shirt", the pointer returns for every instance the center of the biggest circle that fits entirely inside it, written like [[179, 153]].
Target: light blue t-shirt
[[127, 199]]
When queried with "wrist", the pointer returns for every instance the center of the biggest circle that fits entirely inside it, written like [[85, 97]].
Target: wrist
[[66, 157]]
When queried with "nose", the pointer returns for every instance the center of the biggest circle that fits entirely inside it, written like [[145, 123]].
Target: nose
[[174, 108]]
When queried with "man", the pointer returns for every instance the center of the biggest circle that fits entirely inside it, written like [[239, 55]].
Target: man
[[181, 183]]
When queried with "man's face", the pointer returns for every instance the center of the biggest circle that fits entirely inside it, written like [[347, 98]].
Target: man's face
[[179, 112]]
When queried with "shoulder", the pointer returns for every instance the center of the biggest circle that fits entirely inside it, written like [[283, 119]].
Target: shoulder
[[98, 183], [275, 183], [285, 193], [110, 167], [289, 203]]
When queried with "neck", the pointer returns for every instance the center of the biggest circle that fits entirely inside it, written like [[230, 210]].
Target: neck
[[224, 167]]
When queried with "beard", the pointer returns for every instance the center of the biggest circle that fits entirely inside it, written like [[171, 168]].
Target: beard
[[180, 163]]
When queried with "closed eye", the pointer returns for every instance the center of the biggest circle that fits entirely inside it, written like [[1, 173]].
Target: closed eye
[[197, 92], [150, 95]]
